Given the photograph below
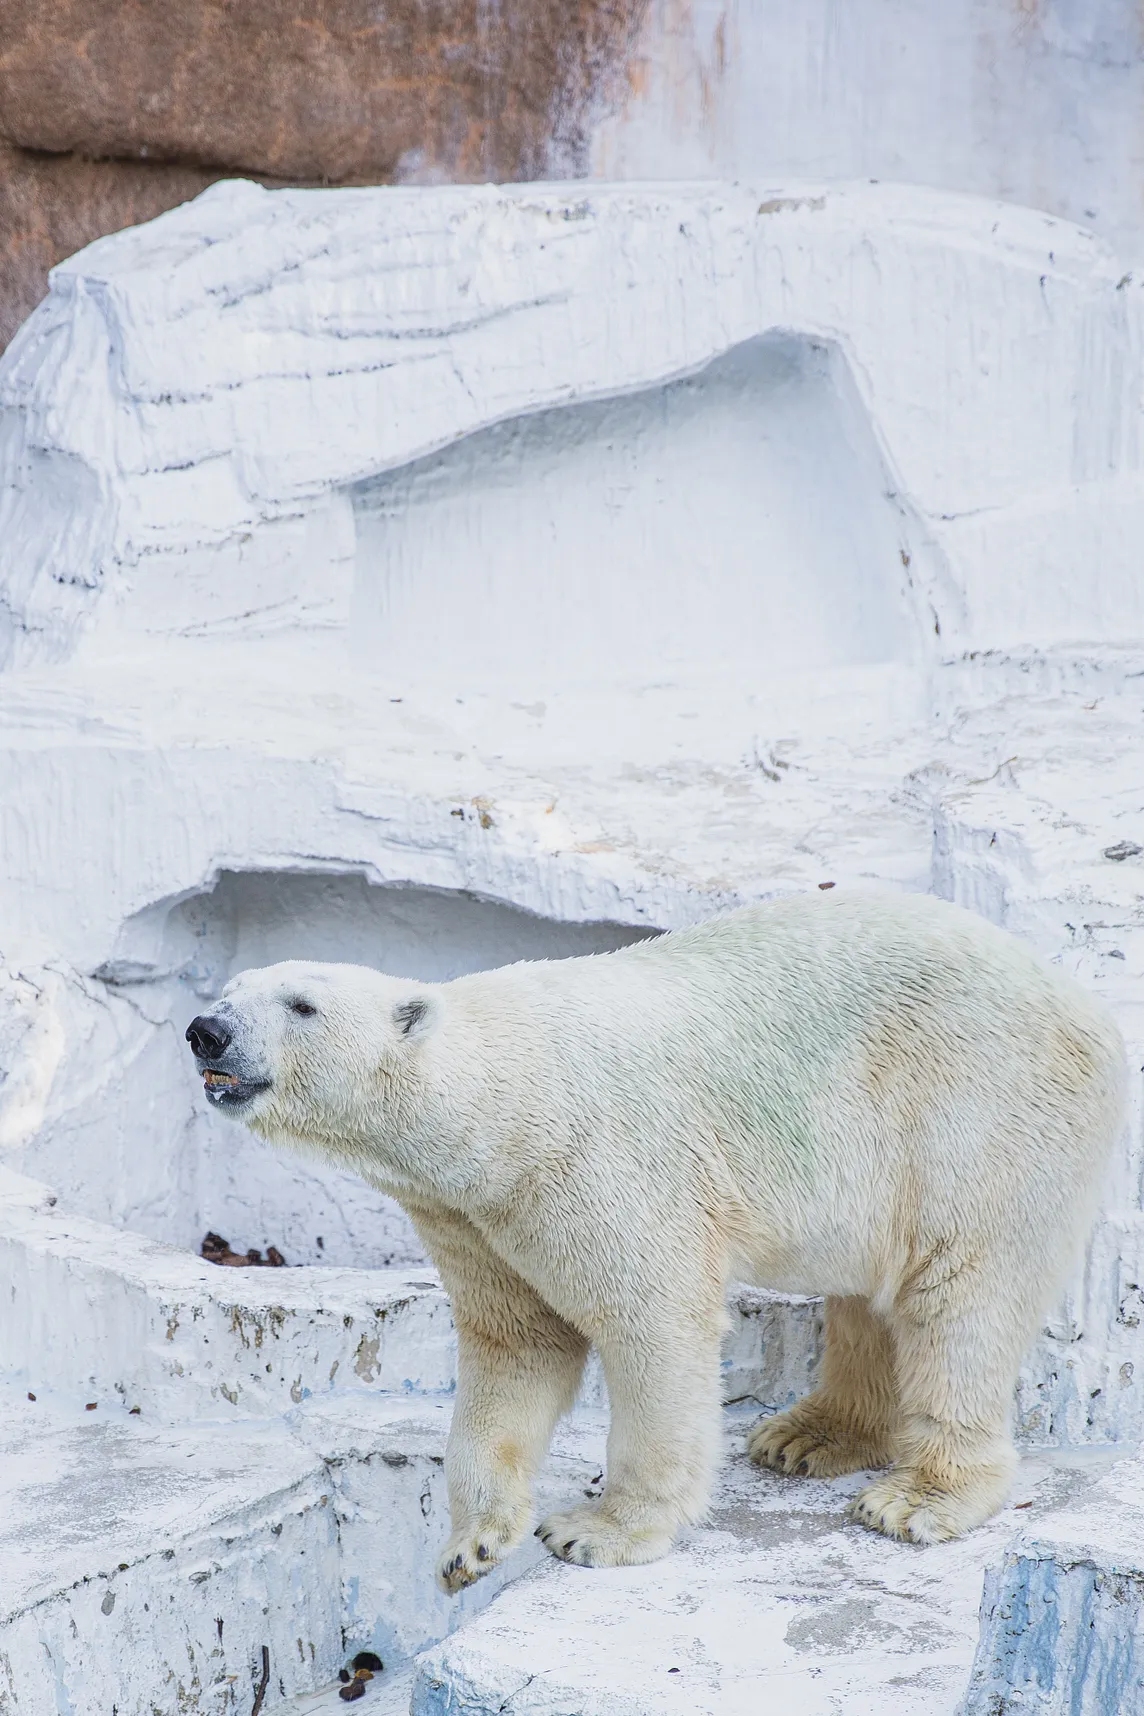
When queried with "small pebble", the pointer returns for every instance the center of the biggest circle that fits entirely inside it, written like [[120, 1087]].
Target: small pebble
[[355, 1689], [31, 1396], [344, 1676], [91, 1405]]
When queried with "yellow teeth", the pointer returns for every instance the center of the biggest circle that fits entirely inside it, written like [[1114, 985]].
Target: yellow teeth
[[216, 1078]]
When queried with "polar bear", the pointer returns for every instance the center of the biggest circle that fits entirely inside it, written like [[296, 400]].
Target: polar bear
[[878, 1098]]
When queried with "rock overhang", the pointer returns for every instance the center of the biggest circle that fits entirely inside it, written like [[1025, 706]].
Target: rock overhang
[[252, 356]]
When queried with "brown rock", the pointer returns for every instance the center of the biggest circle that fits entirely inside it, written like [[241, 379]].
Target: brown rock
[[333, 91]]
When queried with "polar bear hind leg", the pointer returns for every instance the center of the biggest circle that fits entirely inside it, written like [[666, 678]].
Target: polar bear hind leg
[[958, 1340], [847, 1424]]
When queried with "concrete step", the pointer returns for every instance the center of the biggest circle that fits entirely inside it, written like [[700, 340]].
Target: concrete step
[[106, 1314], [1062, 1616], [100, 1313], [143, 1568], [777, 1603], [146, 1569], [385, 1460]]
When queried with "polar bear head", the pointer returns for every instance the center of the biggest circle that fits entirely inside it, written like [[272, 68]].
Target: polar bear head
[[322, 1057]]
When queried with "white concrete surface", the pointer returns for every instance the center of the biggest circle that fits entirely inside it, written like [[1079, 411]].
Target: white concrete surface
[[777, 1602], [987, 352], [101, 1314], [688, 517]]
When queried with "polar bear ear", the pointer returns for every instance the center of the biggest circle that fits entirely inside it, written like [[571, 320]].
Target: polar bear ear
[[416, 1017]]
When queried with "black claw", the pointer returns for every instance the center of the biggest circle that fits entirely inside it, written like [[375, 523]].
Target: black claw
[[482, 1552], [571, 1544], [801, 1469], [539, 1532]]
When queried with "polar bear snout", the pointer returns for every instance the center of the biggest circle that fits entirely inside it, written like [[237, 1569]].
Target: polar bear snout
[[230, 1078], [208, 1036]]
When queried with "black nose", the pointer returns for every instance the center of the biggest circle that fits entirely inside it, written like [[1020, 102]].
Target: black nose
[[208, 1037]]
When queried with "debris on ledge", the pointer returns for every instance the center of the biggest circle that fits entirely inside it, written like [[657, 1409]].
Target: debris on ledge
[[215, 1249]]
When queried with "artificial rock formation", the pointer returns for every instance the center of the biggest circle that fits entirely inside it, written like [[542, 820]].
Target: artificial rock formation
[[438, 577]]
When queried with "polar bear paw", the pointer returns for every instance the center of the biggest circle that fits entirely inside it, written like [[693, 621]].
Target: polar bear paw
[[903, 1505], [810, 1442], [470, 1554], [587, 1537]]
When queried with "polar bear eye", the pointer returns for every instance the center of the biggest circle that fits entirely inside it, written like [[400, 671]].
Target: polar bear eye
[[302, 1007]]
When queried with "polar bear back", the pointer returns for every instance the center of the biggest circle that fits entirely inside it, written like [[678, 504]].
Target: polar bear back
[[829, 1070]]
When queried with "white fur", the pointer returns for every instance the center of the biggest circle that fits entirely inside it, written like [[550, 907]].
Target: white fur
[[879, 1098]]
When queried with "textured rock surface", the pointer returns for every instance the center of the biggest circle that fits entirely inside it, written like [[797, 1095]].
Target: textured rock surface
[[111, 113], [1037, 103], [1062, 1617], [188, 465], [344, 92], [143, 1566]]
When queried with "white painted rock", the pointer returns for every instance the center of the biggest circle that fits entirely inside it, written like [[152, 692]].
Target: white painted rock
[[1062, 1617]]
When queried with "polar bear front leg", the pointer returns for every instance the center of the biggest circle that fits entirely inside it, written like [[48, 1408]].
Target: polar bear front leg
[[663, 1446], [518, 1369]]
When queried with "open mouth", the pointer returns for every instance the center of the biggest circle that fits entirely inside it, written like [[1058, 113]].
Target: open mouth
[[228, 1088]]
